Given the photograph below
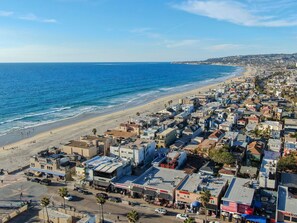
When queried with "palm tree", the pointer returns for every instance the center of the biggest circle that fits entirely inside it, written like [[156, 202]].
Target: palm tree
[[63, 192], [133, 216], [101, 202], [94, 130], [189, 220], [204, 199], [44, 203]]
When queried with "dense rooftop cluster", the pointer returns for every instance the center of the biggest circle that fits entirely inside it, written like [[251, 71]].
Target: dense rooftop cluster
[[238, 141]]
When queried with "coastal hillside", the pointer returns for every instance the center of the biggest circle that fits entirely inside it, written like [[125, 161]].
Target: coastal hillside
[[288, 60]]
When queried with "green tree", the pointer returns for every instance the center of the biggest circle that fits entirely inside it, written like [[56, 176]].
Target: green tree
[[133, 216], [222, 156], [94, 131], [44, 203], [204, 199], [101, 202], [137, 113], [189, 220], [288, 163], [63, 192]]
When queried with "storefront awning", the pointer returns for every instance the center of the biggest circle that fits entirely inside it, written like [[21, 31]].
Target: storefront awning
[[137, 189], [48, 172], [165, 196], [150, 193], [101, 183]]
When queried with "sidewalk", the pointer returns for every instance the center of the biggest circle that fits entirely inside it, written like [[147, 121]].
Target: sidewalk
[[142, 204], [6, 180]]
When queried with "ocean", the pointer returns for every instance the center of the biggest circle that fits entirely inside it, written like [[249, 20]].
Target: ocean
[[36, 94]]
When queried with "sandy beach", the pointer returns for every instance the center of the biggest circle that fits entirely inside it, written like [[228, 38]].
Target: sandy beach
[[17, 154]]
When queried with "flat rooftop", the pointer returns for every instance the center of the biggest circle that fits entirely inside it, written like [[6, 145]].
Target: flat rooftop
[[93, 137], [286, 202], [108, 167], [239, 191], [197, 183], [138, 143], [79, 144], [103, 163], [271, 155], [119, 134], [166, 131], [290, 121], [161, 178]]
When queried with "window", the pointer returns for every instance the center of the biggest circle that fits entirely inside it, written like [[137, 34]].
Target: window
[[42, 166], [287, 218], [226, 203], [33, 164], [49, 167], [294, 219]]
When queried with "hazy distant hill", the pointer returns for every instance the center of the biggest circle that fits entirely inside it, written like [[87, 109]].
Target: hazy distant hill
[[262, 59]]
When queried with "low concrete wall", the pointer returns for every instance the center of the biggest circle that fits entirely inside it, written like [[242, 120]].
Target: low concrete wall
[[18, 170], [72, 213], [14, 214]]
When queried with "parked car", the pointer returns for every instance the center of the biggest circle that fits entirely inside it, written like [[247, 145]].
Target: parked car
[[84, 191], [36, 180], [38, 174], [29, 174], [68, 197], [45, 182], [182, 216], [115, 199], [104, 195], [76, 188], [161, 211]]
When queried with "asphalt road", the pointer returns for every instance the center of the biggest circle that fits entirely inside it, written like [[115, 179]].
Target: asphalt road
[[26, 190]]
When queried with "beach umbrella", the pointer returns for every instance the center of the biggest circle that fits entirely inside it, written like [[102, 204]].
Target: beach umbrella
[[195, 204]]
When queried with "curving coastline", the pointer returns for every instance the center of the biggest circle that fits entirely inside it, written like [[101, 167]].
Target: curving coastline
[[17, 154]]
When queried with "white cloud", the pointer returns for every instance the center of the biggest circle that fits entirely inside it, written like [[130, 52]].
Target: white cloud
[[247, 13], [5, 13], [33, 17], [49, 20], [226, 46], [182, 43], [30, 17], [145, 31]]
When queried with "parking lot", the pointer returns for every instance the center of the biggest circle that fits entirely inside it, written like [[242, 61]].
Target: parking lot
[[116, 206]]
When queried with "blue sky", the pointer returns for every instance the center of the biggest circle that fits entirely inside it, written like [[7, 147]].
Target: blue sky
[[144, 30]]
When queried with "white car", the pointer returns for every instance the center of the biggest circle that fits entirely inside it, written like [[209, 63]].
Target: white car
[[68, 197], [161, 211], [182, 216]]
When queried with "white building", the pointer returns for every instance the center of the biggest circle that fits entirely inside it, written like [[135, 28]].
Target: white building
[[232, 118], [267, 175], [150, 133], [139, 151], [274, 145]]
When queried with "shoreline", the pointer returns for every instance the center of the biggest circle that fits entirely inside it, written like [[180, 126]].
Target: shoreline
[[16, 135], [17, 154]]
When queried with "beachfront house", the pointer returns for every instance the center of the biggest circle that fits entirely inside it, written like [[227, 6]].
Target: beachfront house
[[165, 138], [51, 162], [139, 151], [82, 148]]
